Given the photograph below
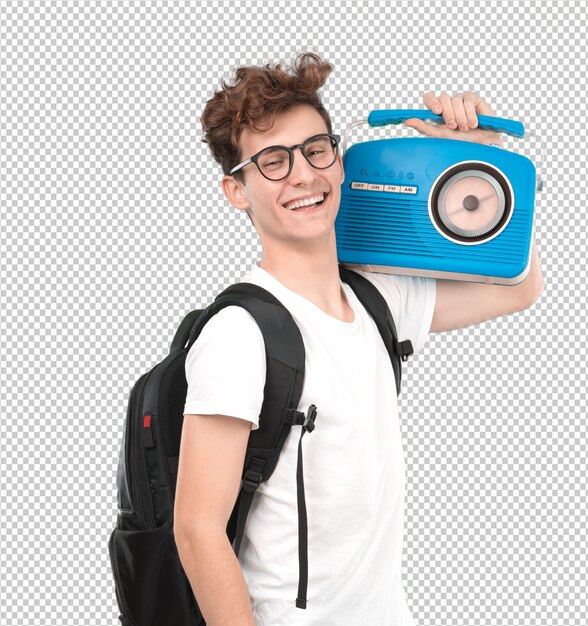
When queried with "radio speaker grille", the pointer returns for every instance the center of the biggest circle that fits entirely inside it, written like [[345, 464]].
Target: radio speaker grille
[[393, 227]]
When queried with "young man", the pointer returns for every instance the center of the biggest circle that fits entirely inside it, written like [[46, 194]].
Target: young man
[[353, 462]]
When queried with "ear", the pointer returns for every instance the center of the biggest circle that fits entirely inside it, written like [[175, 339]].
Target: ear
[[235, 192], [340, 159]]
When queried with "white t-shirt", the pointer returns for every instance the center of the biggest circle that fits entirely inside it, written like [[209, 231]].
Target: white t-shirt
[[353, 461]]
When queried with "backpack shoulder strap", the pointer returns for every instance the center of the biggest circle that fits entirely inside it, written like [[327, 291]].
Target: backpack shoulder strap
[[283, 338], [375, 304], [285, 357], [183, 331]]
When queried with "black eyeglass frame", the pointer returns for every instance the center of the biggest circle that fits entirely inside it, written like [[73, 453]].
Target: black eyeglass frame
[[254, 159]]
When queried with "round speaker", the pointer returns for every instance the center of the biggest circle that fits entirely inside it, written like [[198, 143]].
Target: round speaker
[[471, 202]]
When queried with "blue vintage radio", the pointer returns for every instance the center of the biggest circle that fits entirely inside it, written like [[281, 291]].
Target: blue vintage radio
[[442, 208]]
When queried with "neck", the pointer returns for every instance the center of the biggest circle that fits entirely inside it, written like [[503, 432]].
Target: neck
[[312, 273]]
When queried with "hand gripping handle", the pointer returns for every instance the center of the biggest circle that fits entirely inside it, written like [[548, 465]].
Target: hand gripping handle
[[485, 122]]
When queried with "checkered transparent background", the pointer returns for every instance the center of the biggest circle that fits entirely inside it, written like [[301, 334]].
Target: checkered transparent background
[[114, 226]]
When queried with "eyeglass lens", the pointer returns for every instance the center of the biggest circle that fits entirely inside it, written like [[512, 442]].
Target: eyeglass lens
[[320, 152]]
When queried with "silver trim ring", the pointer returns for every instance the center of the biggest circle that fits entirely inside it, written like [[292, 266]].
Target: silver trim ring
[[473, 164], [471, 232]]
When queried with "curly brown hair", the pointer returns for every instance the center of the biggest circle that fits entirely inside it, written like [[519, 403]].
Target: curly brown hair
[[257, 94]]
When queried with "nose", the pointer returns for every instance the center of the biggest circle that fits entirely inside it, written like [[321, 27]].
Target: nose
[[302, 170]]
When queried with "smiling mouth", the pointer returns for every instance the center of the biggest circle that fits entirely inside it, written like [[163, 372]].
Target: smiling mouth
[[307, 207]]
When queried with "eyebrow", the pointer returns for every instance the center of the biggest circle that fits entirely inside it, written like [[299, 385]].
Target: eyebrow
[[281, 145]]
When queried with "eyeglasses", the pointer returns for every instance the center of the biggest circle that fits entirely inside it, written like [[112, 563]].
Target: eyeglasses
[[275, 162]]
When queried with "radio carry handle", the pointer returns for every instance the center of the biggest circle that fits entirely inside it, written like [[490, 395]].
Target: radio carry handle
[[384, 117]]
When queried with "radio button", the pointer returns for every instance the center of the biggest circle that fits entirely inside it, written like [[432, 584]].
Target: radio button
[[408, 190], [375, 187], [392, 188], [356, 185]]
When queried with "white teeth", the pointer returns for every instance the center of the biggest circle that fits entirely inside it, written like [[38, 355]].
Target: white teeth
[[297, 204]]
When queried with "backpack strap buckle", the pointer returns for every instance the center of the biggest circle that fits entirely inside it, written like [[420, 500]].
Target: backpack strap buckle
[[309, 420], [298, 418], [404, 349], [294, 417], [253, 475]]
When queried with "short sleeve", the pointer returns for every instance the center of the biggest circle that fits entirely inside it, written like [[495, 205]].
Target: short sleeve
[[412, 302], [226, 367]]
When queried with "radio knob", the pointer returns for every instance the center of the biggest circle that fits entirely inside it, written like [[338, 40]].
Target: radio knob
[[471, 203]]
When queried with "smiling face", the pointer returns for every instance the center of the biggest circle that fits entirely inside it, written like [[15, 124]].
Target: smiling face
[[273, 205]]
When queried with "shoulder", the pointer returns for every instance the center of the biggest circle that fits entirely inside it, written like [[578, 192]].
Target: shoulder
[[232, 316], [411, 300], [400, 287], [232, 326], [225, 368]]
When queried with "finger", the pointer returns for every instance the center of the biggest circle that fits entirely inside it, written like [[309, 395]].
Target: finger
[[430, 130], [448, 113], [432, 102], [419, 125], [470, 100], [483, 108], [460, 114]]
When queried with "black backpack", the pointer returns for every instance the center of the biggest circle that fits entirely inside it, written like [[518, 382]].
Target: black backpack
[[150, 584]]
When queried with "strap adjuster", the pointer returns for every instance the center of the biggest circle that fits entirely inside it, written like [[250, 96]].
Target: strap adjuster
[[251, 480], [309, 424], [404, 349], [294, 417], [253, 476]]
